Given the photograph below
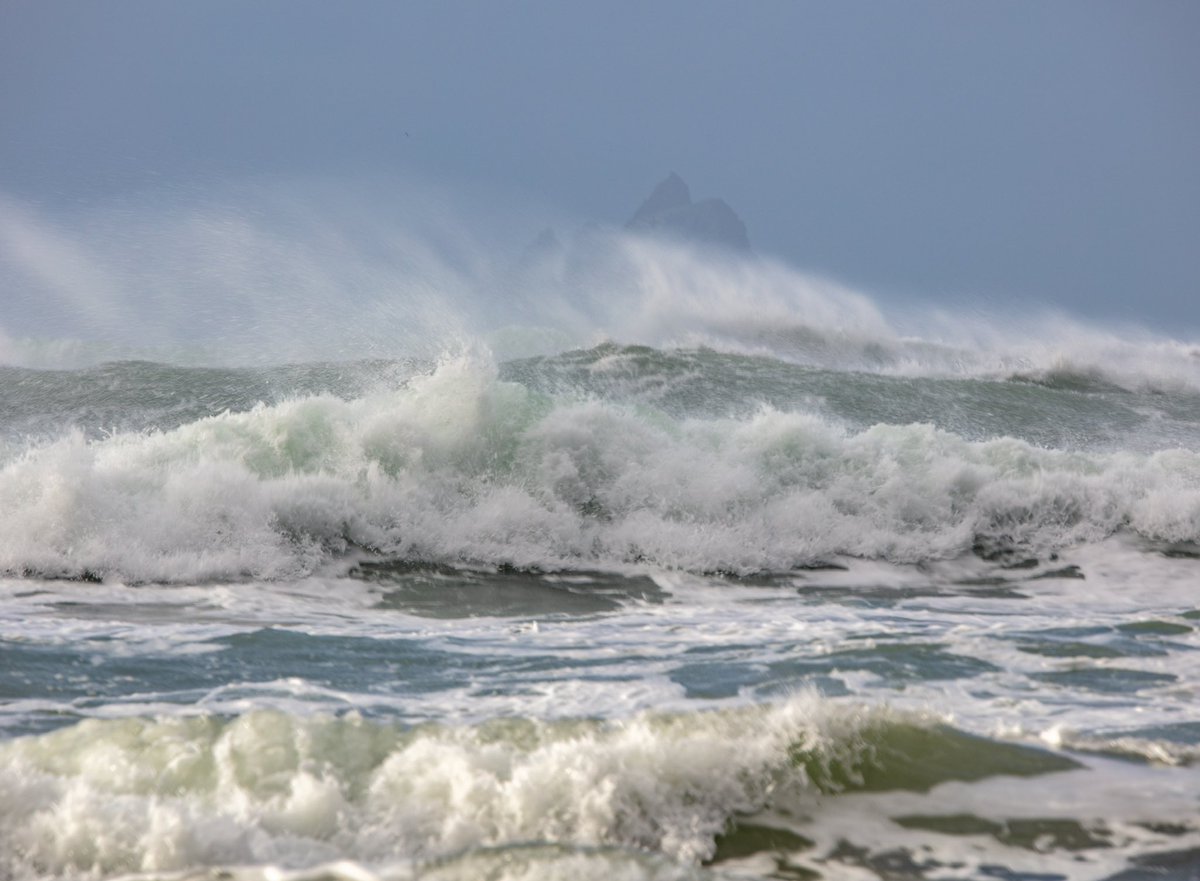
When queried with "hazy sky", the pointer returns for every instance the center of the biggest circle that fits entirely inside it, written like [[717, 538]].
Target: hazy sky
[[1043, 152]]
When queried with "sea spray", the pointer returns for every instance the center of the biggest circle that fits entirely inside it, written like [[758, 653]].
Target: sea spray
[[267, 274]]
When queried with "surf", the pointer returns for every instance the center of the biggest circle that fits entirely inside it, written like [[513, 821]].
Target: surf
[[458, 465]]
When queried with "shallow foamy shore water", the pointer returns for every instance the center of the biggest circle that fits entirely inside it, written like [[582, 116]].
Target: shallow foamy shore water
[[420, 721]]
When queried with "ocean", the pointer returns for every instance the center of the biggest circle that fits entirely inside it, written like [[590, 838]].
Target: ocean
[[786, 603]]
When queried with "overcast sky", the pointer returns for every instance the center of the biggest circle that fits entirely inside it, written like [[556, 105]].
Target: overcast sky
[[1023, 152]]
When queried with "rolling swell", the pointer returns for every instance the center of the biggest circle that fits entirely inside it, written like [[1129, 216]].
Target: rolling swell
[[462, 466]]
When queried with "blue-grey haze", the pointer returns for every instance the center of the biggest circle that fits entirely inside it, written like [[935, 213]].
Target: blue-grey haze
[[1000, 154]]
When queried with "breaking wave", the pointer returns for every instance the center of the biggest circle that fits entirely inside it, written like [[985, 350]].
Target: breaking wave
[[458, 465], [150, 796]]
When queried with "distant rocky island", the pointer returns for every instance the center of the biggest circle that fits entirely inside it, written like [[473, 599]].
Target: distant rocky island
[[578, 279], [594, 262], [667, 213], [670, 211]]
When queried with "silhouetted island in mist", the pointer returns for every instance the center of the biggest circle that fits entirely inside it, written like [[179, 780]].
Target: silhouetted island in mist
[[670, 210]]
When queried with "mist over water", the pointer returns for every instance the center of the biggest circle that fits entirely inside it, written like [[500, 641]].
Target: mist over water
[[349, 546], [288, 272]]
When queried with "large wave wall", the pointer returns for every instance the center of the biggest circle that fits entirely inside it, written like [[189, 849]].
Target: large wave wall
[[460, 466]]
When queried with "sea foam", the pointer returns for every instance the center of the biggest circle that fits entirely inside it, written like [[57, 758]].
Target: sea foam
[[141, 795], [459, 466]]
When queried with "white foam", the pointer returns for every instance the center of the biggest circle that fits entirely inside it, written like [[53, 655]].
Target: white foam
[[139, 795], [459, 466], [275, 792]]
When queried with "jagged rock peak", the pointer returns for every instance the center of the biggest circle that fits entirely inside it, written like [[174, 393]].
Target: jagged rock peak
[[670, 210], [669, 195]]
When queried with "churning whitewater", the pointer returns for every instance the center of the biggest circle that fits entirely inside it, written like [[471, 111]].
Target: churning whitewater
[[718, 577], [459, 466]]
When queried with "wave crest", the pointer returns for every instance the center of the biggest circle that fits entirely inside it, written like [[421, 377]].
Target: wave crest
[[141, 795], [458, 466]]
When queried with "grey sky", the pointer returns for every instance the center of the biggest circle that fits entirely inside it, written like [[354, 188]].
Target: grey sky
[[1029, 152]]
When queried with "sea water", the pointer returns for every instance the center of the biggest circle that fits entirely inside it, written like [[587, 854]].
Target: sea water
[[813, 605]]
